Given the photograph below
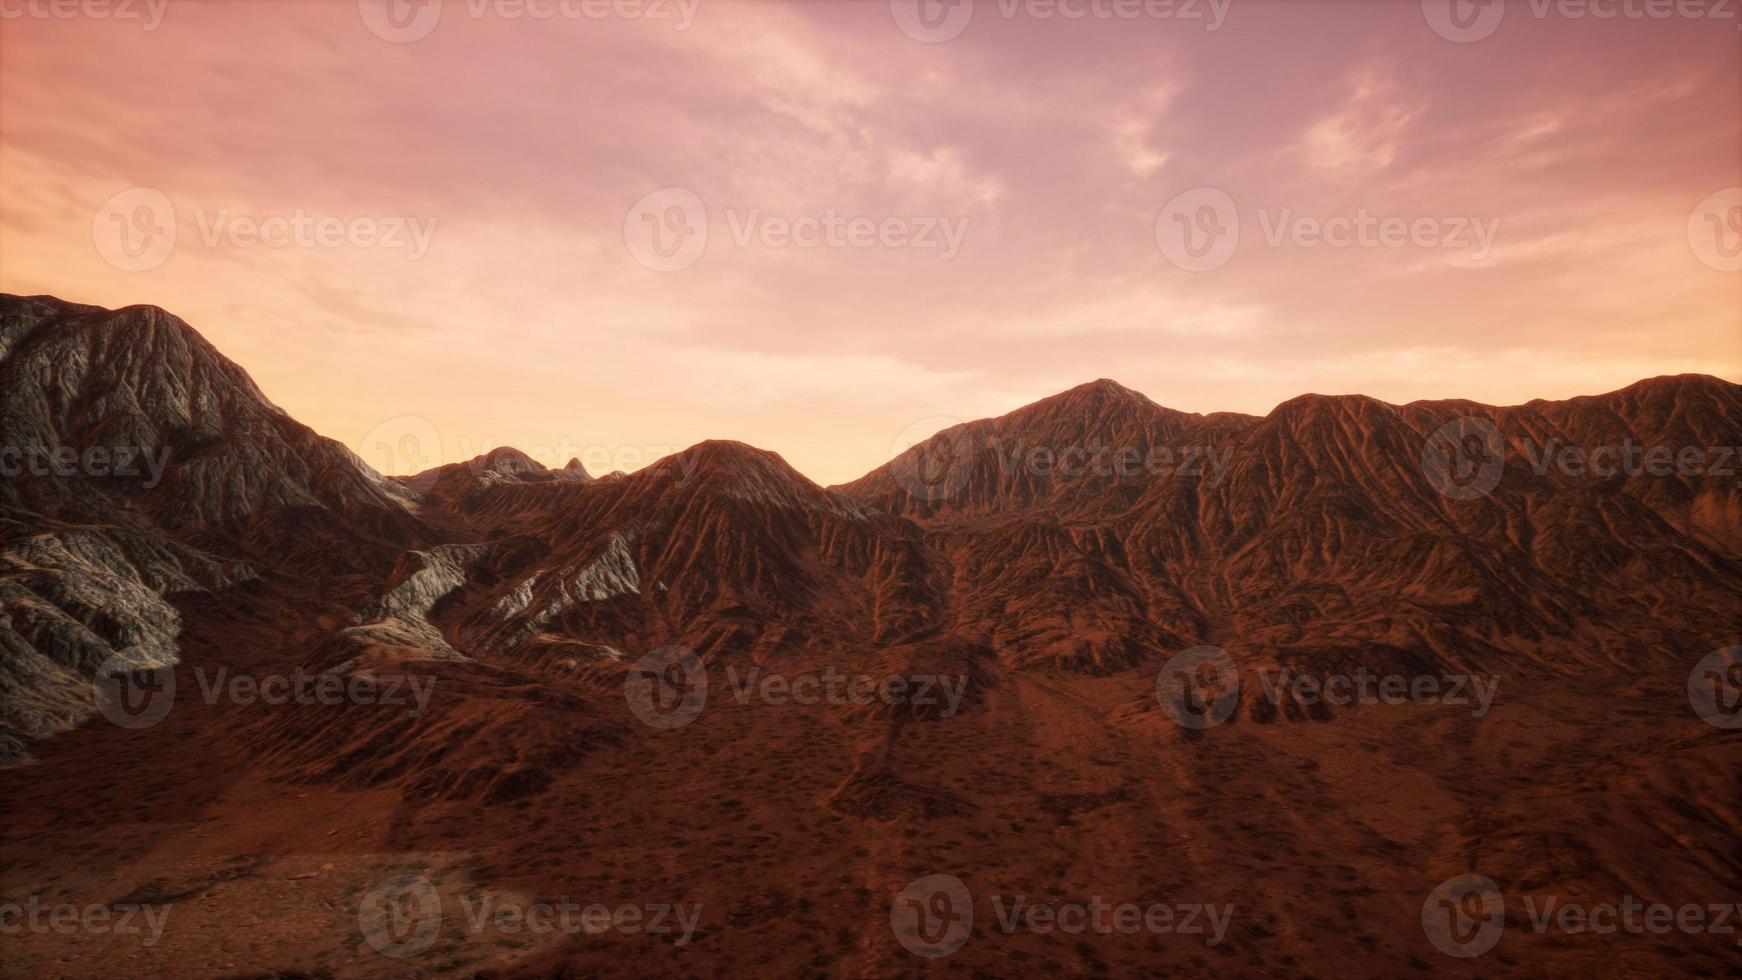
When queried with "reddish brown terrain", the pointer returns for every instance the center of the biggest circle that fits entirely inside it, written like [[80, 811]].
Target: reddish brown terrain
[[546, 695]]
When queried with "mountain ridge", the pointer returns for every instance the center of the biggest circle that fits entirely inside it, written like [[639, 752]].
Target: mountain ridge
[[1090, 532]]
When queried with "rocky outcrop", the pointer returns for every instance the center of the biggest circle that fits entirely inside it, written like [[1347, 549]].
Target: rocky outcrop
[[139, 463]]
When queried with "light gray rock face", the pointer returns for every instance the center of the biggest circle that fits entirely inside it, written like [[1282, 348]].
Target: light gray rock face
[[400, 619], [530, 606], [612, 573], [72, 597]]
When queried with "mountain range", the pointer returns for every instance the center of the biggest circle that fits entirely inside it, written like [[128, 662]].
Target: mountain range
[[160, 509]]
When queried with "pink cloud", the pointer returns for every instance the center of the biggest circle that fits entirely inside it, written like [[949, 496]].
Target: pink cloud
[[1052, 144]]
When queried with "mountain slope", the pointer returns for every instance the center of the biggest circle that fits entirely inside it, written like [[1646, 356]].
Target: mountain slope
[[141, 463]]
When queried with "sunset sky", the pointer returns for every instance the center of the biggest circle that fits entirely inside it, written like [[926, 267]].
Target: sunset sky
[[539, 155]]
